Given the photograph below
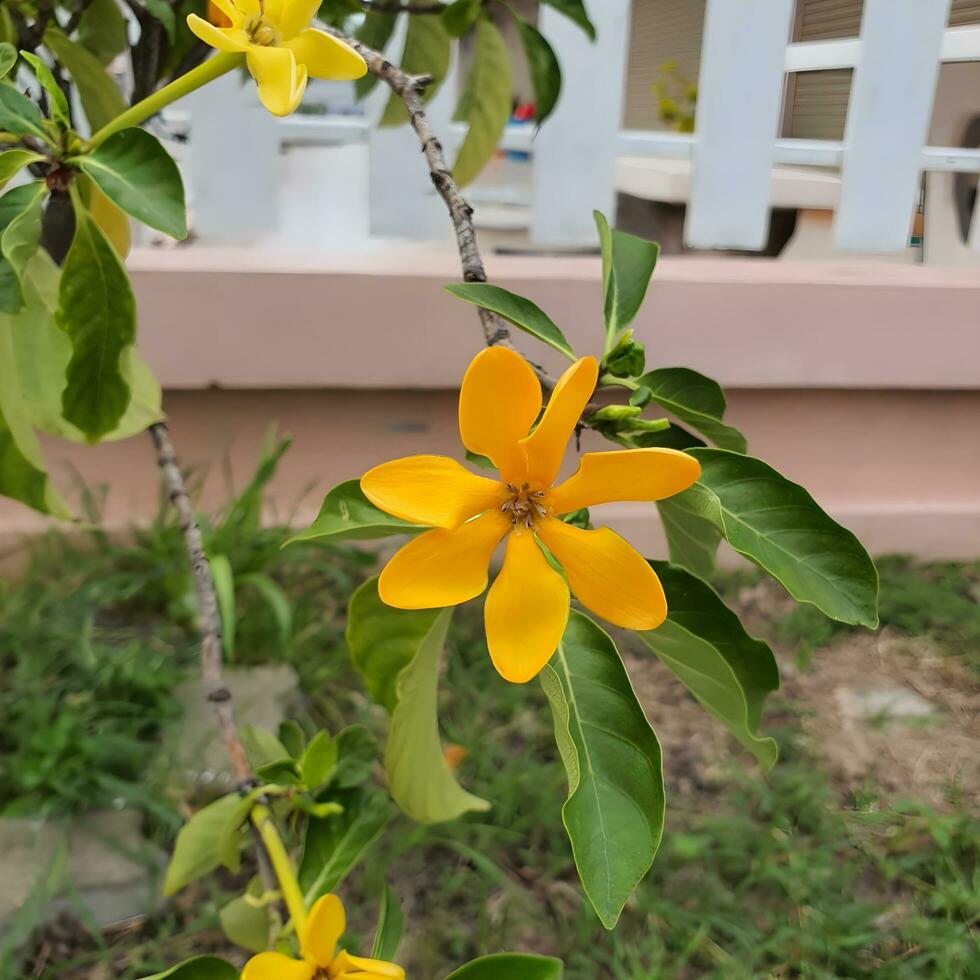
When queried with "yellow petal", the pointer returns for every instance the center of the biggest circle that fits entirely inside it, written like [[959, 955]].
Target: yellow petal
[[498, 402], [280, 80], [324, 926], [607, 574], [223, 38], [443, 568], [546, 445], [275, 966], [432, 490], [526, 611], [295, 16], [628, 474], [326, 56], [112, 220], [245, 8], [361, 968]]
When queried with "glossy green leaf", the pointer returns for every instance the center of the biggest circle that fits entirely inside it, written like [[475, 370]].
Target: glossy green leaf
[[97, 311], [575, 11], [18, 114], [778, 525], [13, 161], [199, 968], [246, 924], [399, 652], [544, 67], [319, 761], [427, 51], [56, 97], [137, 174], [20, 234], [521, 312], [224, 590], [705, 646], [8, 54], [485, 104], [627, 265], [510, 966], [697, 401], [333, 845], [375, 31], [196, 849], [692, 541], [102, 30], [614, 814], [100, 96], [391, 925], [460, 15], [347, 515]]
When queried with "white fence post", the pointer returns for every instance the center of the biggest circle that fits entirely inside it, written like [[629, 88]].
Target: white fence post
[[233, 161], [575, 151], [888, 121], [739, 96]]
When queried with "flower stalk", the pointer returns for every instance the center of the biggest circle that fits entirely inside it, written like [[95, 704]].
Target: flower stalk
[[292, 895]]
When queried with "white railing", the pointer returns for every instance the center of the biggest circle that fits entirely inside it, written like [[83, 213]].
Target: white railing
[[745, 59]]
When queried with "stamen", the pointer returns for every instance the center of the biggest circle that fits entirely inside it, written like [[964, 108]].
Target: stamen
[[523, 504]]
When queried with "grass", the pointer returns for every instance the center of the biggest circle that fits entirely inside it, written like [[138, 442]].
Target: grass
[[784, 876]]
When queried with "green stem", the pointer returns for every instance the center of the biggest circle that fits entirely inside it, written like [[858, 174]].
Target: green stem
[[281, 864], [609, 380], [205, 72]]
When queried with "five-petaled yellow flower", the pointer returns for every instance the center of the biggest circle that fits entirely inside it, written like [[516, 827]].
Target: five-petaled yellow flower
[[527, 606], [321, 959], [280, 48]]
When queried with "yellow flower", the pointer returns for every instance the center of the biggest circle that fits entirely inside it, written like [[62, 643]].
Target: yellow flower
[[527, 606], [321, 960], [280, 48]]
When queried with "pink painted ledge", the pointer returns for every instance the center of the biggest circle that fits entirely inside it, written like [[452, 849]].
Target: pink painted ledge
[[244, 318]]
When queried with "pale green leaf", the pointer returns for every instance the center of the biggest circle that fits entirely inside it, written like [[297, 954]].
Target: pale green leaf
[[13, 161], [8, 53], [391, 925], [510, 966], [691, 540], [427, 51], [277, 601], [246, 924], [334, 844], [575, 11], [20, 235], [137, 174], [100, 97], [196, 850], [97, 311], [56, 97], [224, 589], [319, 761], [460, 15], [614, 813], [199, 968], [521, 312], [262, 747], [705, 646], [697, 401], [485, 103], [18, 114], [778, 525]]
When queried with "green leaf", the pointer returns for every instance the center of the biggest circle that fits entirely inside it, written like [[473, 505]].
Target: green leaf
[[627, 265], [347, 515], [458, 17], [391, 925], [510, 966], [196, 850], [199, 968], [246, 924], [277, 601], [319, 761], [19, 115], [97, 310], [778, 525], [485, 103], [162, 11], [102, 30], [521, 312], [136, 173], [292, 737], [697, 401], [614, 813], [705, 646], [262, 747], [224, 590], [333, 845], [375, 31], [357, 750], [691, 540], [544, 67], [20, 236], [399, 651], [230, 839], [99, 95], [427, 52], [56, 98], [8, 56], [575, 11]]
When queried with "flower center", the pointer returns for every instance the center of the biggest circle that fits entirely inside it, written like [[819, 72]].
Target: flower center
[[523, 505], [261, 33]]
